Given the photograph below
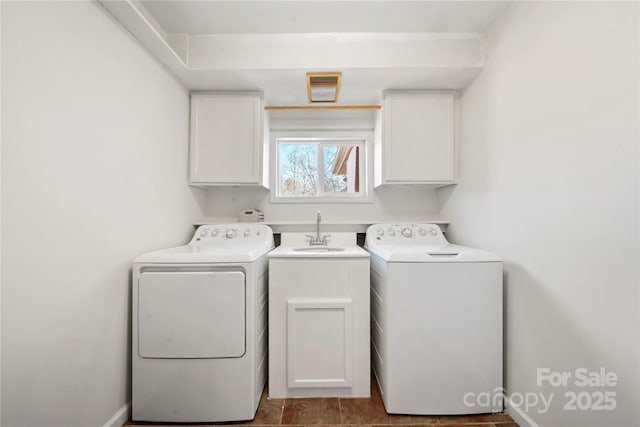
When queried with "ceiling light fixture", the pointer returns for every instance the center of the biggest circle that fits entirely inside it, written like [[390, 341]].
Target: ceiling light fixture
[[323, 87]]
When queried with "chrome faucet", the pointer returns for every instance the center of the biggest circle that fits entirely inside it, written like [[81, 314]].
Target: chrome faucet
[[317, 240]]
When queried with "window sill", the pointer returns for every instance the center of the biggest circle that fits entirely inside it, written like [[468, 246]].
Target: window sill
[[341, 200]]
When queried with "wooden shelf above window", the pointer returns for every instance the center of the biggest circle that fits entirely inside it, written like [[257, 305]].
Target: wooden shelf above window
[[322, 107]]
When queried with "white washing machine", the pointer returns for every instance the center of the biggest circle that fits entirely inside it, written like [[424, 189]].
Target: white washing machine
[[436, 322], [199, 334]]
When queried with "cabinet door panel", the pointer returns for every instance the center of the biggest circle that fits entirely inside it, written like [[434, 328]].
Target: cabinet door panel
[[225, 139], [319, 343], [419, 138]]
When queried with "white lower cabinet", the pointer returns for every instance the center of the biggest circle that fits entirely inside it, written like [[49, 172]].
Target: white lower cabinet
[[319, 327]]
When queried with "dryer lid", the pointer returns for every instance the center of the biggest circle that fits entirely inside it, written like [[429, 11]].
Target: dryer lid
[[204, 254], [218, 243]]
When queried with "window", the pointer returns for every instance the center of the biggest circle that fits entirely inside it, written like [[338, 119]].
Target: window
[[320, 169]]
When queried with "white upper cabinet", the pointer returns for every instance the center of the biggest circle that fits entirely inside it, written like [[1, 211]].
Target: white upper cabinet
[[415, 139], [227, 139]]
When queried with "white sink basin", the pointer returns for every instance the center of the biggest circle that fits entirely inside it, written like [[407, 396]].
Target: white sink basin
[[319, 249]]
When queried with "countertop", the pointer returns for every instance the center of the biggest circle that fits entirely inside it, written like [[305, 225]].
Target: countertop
[[356, 226], [301, 252]]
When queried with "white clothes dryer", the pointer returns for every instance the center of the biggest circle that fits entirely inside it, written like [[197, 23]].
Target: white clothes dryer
[[436, 322], [199, 326]]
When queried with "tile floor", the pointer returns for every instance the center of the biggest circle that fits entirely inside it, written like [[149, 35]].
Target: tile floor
[[336, 412]]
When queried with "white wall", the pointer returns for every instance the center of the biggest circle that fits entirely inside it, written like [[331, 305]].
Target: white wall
[[94, 172], [549, 180], [389, 204]]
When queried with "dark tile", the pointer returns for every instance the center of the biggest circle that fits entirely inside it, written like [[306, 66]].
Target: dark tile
[[499, 419], [323, 425], [470, 425], [311, 411], [269, 411], [415, 419], [411, 425], [375, 391], [398, 418], [371, 411], [364, 411]]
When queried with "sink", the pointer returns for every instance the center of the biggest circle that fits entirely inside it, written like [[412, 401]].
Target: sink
[[296, 246], [319, 249]]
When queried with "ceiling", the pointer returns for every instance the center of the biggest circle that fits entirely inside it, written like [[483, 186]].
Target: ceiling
[[269, 45], [326, 16]]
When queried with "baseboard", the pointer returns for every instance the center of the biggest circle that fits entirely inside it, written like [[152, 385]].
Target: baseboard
[[120, 417], [519, 416]]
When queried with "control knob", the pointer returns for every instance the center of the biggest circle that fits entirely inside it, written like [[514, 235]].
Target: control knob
[[230, 233], [203, 233], [423, 232], [247, 233], [407, 232], [380, 233], [391, 232]]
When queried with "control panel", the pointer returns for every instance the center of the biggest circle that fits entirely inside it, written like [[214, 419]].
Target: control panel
[[405, 233], [212, 234]]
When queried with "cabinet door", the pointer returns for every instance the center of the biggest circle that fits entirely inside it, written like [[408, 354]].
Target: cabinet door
[[226, 138], [418, 139], [319, 343]]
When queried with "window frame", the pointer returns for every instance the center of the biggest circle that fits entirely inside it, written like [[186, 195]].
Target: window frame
[[327, 138]]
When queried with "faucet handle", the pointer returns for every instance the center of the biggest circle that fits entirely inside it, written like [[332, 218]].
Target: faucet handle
[[325, 238], [311, 238]]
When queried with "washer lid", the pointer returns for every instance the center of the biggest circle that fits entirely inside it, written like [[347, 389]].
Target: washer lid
[[431, 253], [408, 242]]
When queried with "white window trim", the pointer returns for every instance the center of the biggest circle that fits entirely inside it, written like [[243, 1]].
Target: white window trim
[[366, 193]]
